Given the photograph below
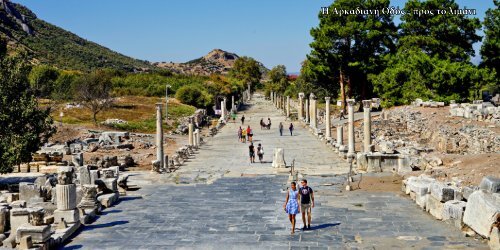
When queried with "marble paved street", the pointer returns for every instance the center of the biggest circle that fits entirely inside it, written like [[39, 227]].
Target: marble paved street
[[221, 201]]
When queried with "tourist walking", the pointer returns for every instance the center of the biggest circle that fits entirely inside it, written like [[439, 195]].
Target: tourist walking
[[281, 129], [244, 135], [262, 125], [251, 149], [260, 152], [239, 133], [268, 123], [249, 134], [243, 120], [291, 129], [291, 206], [306, 197], [342, 115]]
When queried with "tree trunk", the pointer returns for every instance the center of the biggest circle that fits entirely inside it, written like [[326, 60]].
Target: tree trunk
[[342, 91], [94, 117]]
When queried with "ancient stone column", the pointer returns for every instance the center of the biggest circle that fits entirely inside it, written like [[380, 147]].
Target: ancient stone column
[[66, 197], [233, 106], [340, 135], [301, 106], [307, 111], [222, 112], [314, 111], [288, 106], [350, 110], [159, 136], [328, 129], [89, 199], [271, 96], [367, 140], [196, 139], [190, 133]]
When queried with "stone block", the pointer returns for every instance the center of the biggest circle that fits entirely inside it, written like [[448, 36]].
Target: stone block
[[29, 192], [420, 185], [107, 200], [25, 243], [84, 175], [361, 161], [18, 217], [494, 241], [39, 234], [421, 200], [434, 207], [490, 184], [442, 192], [69, 216], [111, 184], [386, 147], [482, 212], [467, 191], [18, 204], [454, 211]]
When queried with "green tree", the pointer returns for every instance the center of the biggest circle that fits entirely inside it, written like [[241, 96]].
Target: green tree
[[24, 125], [415, 75], [64, 85], [93, 91], [246, 69], [490, 51], [278, 79], [194, 95], [42, 78], [448, 36], [346, 48]]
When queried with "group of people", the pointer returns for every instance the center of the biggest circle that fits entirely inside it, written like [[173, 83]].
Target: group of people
[[245, 134], [299, 201], [264, 125]]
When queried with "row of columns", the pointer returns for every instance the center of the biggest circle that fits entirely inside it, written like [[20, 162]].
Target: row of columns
[[281, 102]]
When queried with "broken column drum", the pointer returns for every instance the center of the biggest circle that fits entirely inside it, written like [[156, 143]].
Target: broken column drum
[[367, 141], [328, 129], [350, 109]]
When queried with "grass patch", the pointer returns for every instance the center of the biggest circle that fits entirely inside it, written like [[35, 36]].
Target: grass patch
[[138, 111]]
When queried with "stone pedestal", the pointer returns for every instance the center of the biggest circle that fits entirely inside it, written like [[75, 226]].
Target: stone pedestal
[[350, 110], [222, 111], [89, 198], [301, 106], [39, 234], [367, 139], [328, 125], [279, 158], [307, 111], [159, 137]]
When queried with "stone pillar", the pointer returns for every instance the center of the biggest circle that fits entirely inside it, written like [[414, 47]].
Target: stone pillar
[[66, 197], [222, 111], [271, 96], [307, 111], [314, 111], [196, 139], [301, 106], [328, 129], [340, 135], [350, 109], [159, 136], [367, 141], [288, 106], [191, 131], [224, 108], [233, 106]]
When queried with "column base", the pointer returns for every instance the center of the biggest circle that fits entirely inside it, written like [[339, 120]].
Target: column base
[[69, 216]]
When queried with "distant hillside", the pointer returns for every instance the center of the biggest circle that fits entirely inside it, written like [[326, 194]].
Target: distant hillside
[[216, 61], [52, 45]]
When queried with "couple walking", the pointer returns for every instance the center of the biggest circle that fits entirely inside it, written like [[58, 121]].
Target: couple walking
[[298, 201], [260, 152], [290, 128]]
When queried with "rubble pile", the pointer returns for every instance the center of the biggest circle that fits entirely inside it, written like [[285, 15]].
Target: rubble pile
[[475, 210], [477, 111], [43, 214]]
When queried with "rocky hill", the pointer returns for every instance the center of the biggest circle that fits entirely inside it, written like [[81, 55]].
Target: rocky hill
[[49, 44], [216, 61]]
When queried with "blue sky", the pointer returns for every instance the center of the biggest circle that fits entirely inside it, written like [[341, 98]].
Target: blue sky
[[272, 31]]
